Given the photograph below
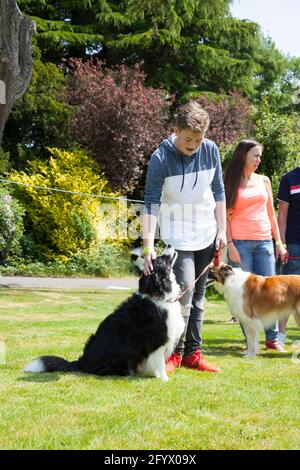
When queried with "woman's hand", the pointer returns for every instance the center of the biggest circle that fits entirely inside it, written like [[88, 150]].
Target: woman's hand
[[148, 266], [233, 253]]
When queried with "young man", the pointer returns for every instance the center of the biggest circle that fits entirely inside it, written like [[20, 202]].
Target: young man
[[185, 191], [289, 226]]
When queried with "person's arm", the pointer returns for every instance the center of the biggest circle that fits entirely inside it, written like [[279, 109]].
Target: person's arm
[[284, 198], [220, 213], [282, 224], [282, 219], [153, 192], [149, 228], [232, 252], [219, 196], [280, 248]]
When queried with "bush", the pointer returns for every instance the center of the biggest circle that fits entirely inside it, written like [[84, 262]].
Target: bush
[[230, 116], [40, 117], [118, 118], [280, 140], [108, 259], [11, 227], [58, 224], [281, 144]]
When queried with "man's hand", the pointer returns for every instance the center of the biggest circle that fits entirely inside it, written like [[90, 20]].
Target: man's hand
[[221, 240]]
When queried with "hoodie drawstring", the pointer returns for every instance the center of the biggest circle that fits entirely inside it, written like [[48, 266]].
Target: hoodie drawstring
[[183, 173], [197, 169]]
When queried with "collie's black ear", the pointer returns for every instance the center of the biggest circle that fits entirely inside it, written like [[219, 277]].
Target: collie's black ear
[[225, 271], [146, 283], [226, 268], [212, 275]]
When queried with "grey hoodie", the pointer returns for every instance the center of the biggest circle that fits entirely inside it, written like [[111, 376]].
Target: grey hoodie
[[182, 191]]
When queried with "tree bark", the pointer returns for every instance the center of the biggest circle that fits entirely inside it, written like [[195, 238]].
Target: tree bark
[[16, 31]]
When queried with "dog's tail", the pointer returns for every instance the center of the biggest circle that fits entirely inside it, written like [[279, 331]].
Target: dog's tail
[[52, 364]]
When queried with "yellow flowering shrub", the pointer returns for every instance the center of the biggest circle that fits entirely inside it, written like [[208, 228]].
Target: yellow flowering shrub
[[63, 224]]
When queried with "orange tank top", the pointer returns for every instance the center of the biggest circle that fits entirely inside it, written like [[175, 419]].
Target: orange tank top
[[249, 216]]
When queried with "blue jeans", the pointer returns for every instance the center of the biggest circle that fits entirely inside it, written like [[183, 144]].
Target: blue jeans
[[257, 257], [293, 265]]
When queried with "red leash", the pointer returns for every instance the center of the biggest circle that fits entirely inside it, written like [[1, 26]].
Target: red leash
[[218, 257], [285, 260], [216, 261]]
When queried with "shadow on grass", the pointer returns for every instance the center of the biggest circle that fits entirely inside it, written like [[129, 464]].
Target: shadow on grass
[[220, 347], [54, 376], [224, 347], [219, 351], [274, 355], [226, 322], [39, 378]]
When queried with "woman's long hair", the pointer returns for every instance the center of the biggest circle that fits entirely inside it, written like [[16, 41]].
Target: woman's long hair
[[235, 170]]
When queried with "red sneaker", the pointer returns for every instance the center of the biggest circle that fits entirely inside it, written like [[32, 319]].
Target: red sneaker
[[196, 360], [173, 362], [276, 345]]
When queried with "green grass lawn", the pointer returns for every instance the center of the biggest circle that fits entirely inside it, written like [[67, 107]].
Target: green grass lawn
[[251, 404]]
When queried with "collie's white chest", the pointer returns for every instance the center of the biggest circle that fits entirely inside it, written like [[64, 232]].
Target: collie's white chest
[[233, 291], [175, 323]]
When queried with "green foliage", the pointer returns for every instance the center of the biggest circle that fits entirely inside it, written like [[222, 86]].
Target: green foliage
[[39, 118], [186, 46], [11, 226], [62, 224], [279, 78], [178, 40], [281, 143], [108, 259], [64, 28], [280, 139], [4, 162]]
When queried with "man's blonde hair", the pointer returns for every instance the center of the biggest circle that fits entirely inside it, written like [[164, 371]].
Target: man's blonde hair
[[192, 116]]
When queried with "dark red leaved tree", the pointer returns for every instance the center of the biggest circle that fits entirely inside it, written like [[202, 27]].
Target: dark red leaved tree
[[117, 118], [229, 117]]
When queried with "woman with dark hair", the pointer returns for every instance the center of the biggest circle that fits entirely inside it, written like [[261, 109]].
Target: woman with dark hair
[[251, 220]]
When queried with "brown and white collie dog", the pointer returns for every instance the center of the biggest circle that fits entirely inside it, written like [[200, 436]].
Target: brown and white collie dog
[[257, 301]]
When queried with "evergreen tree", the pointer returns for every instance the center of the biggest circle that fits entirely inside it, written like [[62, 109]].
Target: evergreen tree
[[186, 46], [40, 118], [65, 28]]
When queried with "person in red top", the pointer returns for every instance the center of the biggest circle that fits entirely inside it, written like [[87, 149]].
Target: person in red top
[[251, 220]]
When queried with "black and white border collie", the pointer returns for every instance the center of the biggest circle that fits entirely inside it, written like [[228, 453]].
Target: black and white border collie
[[138, 336]]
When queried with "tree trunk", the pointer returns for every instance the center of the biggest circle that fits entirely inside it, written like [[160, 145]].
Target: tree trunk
[[16, 31]]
